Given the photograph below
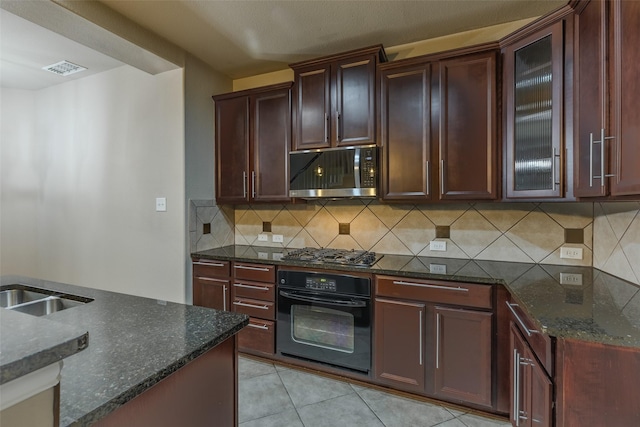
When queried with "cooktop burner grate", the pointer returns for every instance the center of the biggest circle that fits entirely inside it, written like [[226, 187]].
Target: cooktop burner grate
[[353, 257]]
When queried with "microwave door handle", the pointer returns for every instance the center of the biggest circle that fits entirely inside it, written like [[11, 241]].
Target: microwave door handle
[[307, 298], [356, 167]]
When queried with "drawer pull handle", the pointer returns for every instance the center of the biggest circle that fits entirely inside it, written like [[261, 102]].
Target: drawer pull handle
[[211, 279], [210, 264], [527, 330], [259, 288], [424, 285], [244, 304], [263, 327], [246, 267]]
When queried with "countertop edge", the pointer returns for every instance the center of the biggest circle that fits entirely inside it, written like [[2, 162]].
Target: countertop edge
[[120, 400]]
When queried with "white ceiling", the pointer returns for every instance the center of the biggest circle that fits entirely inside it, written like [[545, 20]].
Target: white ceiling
[[26, 47], [241, 38]]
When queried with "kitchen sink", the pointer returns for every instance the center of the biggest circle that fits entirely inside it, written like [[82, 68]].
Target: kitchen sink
[[11, 297], [36, 301]]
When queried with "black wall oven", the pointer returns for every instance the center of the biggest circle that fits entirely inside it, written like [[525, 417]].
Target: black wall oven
[[325, 317]]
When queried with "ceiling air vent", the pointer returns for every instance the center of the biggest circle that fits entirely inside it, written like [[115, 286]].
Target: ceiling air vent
[[64, 68]]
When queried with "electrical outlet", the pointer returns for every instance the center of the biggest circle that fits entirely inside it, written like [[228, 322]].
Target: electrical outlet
[[263, 238], [571, 279], [277, 256], [438, 245], [263, 255], [437, 268], [161, 204], [570, 253], [277, 238]]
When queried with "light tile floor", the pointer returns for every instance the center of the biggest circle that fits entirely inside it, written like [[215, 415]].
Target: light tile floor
[[275, 396]]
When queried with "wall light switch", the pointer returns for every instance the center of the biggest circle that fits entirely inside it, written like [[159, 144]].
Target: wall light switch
[[438, 245], [263, 238], [570, 253], [277, 238], [161, 204]]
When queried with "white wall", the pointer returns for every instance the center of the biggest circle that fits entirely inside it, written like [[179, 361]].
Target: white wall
[[104, 147]]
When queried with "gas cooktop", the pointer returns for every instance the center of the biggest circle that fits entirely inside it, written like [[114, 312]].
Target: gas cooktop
[[352, 257]]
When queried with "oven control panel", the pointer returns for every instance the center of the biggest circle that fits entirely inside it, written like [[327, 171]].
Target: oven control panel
[[320, 284]]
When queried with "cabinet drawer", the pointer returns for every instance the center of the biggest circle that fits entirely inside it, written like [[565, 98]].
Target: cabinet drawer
[[258, 336], [465, 294], [254, 272], [540, 343], [254, 290], [208, 268], [255, 308]]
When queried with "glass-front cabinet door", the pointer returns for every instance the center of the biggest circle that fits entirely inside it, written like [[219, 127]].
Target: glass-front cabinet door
[[534, 107]]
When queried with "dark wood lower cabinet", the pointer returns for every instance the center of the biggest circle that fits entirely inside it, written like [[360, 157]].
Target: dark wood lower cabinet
[[399, 344], [211, 292], [203, 393], [597, 385], [463, 355], [532, 390]]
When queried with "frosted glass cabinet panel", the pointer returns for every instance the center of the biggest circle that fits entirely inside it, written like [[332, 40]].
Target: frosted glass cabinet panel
[[533, 79]]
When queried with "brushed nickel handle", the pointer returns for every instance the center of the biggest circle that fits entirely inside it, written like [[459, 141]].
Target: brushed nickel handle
[[246, 267], [211, 279], [516, 386], [244, 183], [554, 164], [442, 177], [338, 124], [420, 335], [591, 142], [260, 288], [437, 340], [224, 298], [253, 184], [527, 330], [263, 327], [243, 304], [326, 127], [602, 157], [428, 179], [210, 264], [424, 285]]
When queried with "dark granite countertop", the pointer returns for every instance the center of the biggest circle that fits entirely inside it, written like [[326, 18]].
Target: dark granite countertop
[[134, 343], [603, 309], [29, 343]]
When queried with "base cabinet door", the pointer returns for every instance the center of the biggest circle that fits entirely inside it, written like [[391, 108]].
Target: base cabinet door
[[399, 344], [531, 388], [463, 355], [211, 292]]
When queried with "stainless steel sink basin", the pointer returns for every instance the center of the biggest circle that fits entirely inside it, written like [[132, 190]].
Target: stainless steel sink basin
[[36, 301], [10, 297]]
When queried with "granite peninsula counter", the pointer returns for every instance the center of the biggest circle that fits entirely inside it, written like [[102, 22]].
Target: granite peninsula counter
[[602, 309], [134, 343]]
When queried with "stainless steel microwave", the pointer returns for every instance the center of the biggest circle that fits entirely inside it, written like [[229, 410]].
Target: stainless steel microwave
[[334, 172]]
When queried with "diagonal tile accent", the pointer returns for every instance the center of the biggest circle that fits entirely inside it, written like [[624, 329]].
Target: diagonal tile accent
[[303, 213], [620, 215], [390, 215], [323, 228], [367, 229], [504, 216], [415, 231], [472, 233], [285, 223], [537, 235], [569, 215], [444, 214], [630, 244], [302, 240], [503, 249], [345, 210]]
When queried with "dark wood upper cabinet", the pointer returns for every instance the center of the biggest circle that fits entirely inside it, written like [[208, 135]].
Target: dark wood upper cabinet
[[463, 355], [534, 97], [466, 110], [253, 138], [405, 132], [334, 99], [607, 150]]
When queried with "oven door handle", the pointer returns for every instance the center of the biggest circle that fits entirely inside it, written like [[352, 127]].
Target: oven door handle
[[306, 298]]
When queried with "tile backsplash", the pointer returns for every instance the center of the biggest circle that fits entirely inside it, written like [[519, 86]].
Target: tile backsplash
[[520, 232], [617, 236]]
